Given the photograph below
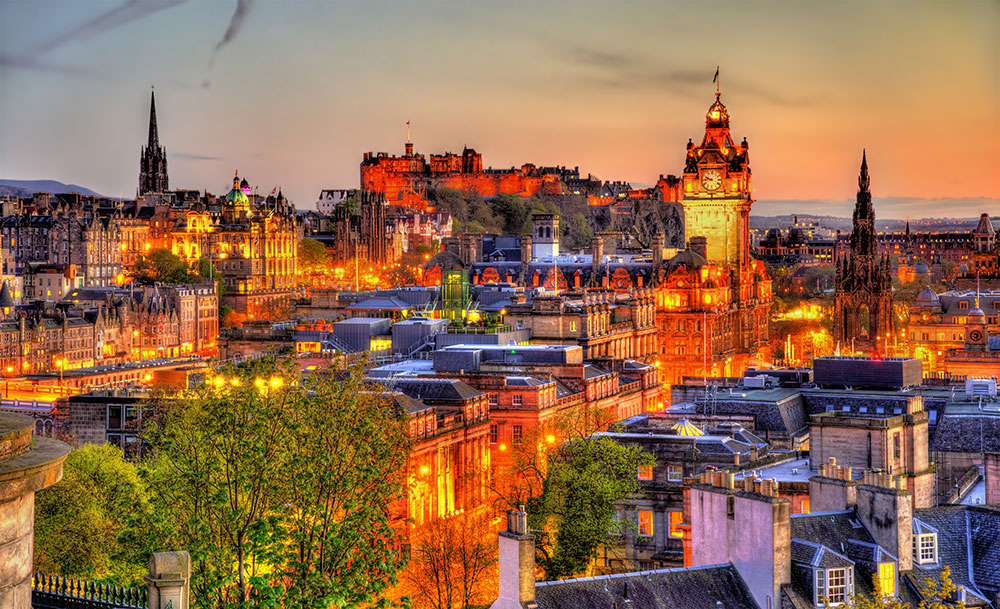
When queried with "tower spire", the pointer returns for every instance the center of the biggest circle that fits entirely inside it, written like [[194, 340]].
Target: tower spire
[[154, 139], [153, 158], [863, 179]]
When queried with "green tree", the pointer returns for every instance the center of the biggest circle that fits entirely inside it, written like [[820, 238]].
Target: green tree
[[279, 489], [345, 470], [579, 233], [510, 211], [576, 510], [162, 266], [79, 522], [570, 481], [452, 201], [312, 254]]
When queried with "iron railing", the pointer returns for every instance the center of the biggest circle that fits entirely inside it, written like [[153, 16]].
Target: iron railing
[[58, 592]]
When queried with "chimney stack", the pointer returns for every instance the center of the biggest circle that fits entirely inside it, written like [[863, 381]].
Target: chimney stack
[[659, 242], [886, 510], [516, 562], [699, 245], [525, 255], [597, 257]]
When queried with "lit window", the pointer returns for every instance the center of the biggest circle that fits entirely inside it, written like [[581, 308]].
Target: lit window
[[493, 433], [885, 580], [676, 518], [645, 472], [646, 523], [572, 326], [675, 473]]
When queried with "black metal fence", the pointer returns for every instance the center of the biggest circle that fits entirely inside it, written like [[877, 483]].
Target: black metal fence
[[57, 592]]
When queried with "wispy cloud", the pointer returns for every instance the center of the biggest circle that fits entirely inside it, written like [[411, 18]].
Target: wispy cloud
[[194, 157], [236, 23], [639, 72], [129, 11]]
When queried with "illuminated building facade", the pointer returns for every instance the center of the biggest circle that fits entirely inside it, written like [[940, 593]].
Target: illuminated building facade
[[77, 234], [409, 177], [713, 300], [449, 463], [251, 241], [716, 194], [938, 324], [863, 312]]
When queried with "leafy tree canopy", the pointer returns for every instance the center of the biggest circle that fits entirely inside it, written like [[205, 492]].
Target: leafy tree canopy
[[312, 254], [164, 266], [280, 489], [79, 522]]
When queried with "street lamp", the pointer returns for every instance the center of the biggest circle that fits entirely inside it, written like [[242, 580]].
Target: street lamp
[[60, 364]]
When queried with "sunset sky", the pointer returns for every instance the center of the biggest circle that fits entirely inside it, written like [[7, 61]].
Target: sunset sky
[[291, 93]]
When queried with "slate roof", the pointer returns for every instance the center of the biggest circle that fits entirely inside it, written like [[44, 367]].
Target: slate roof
[[390, 303], [432, 389], [968, 542], [813, 554], [967, 433], [831, 529], [691, 588]]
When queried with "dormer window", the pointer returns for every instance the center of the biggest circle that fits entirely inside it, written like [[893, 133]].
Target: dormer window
[[925, 548], [833, 586]]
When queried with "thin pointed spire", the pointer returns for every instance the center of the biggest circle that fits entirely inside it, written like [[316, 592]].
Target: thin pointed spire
[[154, 138], [863, 179]]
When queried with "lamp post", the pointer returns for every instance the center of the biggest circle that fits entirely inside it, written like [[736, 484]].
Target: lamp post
[[60, 364]]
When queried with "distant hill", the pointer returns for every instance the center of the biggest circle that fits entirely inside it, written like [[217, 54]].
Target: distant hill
[[24, 188]]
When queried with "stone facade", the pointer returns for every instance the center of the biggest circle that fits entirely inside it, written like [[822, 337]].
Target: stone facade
[[27, 465], [896, 444]]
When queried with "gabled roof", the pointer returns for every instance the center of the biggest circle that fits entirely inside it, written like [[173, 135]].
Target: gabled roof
[[815, 555], [691, 588]]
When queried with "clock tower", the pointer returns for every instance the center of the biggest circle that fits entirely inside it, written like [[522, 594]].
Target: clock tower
[[716, 194], [976, 329]]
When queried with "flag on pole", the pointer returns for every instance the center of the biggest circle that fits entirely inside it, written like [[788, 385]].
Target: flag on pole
[[716, 77]]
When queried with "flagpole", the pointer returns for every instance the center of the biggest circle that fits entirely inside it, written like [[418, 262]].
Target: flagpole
[[716, 80]]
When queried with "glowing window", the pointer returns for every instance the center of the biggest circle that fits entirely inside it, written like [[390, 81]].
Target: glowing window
[[885, 579], [645, 472], [676, 518], [645, 522]]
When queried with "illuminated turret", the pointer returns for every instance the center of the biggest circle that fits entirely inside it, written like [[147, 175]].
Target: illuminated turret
[[237, 198]]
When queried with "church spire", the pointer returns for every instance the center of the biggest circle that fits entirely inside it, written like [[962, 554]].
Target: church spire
[[863, 180], [154, 138], [153, 158]]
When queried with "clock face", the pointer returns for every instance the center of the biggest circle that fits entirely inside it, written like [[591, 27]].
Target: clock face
[[975, 335], [711, 179]]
